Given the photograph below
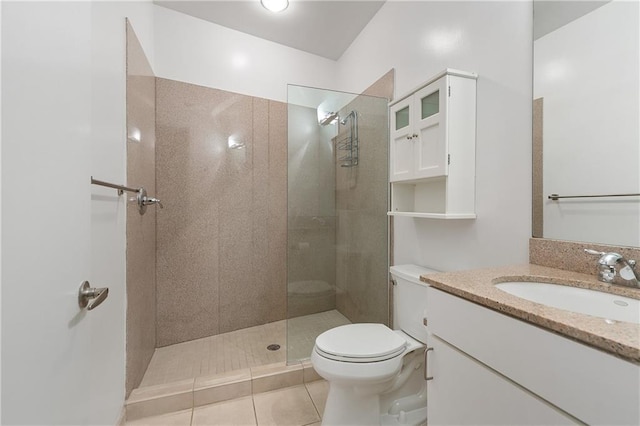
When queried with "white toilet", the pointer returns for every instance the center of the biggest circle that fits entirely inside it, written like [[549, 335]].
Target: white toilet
[[375, 374]]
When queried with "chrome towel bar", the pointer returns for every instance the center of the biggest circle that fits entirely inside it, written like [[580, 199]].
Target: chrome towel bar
[[556, 197], [141, 197], [120, 188]]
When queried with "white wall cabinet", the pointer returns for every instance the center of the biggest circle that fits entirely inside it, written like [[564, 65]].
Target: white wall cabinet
[[476, 350], [432, 149]]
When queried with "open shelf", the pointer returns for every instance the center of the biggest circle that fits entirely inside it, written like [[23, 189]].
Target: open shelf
[[434, 215]]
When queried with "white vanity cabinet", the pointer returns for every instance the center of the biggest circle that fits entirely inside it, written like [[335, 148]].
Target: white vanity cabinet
[[489, 368], [465, 392], [432, 148]]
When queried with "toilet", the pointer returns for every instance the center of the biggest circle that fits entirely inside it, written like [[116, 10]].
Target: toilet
[[375, 374]]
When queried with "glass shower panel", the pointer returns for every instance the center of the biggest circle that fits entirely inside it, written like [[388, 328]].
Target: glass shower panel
[[337, 261]]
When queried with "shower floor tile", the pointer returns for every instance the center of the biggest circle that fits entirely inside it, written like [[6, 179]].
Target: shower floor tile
[[239, 349], [302, 331]]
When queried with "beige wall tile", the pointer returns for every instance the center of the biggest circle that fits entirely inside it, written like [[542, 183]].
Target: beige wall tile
[[291, 406], [266, 378], [384, 87], [237, 412], [141, 229], [222, 387], [168, 389], [181, 418], [221, 393], [192, 129], [161, 399], [361, 209], [309, 373], [220, 238], [537, 202], [235, 376], [278, 208]]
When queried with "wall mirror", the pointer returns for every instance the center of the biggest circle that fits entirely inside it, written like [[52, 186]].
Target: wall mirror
[[586, 137]]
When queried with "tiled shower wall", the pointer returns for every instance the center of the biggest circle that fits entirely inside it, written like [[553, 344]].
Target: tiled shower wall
[[141, 229], [221, 247], [361, 207]]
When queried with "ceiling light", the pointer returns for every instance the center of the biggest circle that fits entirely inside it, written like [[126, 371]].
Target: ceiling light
[[275, 5]]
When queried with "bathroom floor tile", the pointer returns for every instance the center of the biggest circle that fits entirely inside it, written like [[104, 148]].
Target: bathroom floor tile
[[290, 406], [236, 412], [318, 391], [180, 418]]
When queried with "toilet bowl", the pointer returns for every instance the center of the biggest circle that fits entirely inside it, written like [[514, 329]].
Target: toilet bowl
[[375, 374]]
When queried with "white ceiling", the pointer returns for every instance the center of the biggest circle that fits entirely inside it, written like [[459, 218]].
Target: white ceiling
[[551, 15], [322, 27]]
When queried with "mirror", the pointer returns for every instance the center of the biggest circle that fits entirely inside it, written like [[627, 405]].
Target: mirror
[[586, 138]]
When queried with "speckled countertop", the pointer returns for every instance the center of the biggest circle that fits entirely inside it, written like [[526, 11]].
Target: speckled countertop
[[620, 338]]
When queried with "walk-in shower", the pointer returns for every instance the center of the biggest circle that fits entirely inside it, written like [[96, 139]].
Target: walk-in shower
[[337, 221], [241, 287]]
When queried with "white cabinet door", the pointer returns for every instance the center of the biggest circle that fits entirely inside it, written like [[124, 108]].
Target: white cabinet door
[[465, 392], [46, 206], [430, 124], [401, 141]]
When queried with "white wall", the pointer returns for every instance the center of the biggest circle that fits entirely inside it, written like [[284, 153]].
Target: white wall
[[65, 67], [493, 39], [0, 214], [418, 39], [198, 52], [587, 72]]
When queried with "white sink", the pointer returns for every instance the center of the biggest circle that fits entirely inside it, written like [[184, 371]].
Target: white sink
[[574, 299]]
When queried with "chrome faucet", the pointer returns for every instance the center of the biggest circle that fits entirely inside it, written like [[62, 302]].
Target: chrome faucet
[[613, 268]]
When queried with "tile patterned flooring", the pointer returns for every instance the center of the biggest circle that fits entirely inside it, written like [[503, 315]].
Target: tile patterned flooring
[[293, 406], [239, 349]]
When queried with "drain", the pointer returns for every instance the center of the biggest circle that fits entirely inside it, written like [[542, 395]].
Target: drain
[[620, 303], [273, 347]]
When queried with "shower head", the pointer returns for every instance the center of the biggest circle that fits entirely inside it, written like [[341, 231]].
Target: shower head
[[329, 118], [344, 120]]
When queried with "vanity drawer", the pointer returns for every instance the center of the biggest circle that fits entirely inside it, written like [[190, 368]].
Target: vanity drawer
[[593, 386]]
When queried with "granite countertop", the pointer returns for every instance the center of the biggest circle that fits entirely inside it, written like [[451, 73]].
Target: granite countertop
[[619, 338]]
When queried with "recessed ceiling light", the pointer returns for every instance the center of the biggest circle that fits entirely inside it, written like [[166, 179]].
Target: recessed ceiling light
[[275, 5]]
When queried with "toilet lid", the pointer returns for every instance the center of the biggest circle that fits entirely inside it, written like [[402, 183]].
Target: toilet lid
[[361, 341]]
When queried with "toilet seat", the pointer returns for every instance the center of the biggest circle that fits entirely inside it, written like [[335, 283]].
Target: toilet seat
[[360, 343]]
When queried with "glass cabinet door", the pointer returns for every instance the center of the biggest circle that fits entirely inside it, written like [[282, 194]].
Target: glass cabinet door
[[430, 125]]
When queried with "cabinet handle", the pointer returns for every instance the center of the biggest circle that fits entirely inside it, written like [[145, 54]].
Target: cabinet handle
[[426, 358], [415, 135], [409, 137]]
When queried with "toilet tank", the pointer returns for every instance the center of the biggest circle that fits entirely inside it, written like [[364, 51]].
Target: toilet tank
[[410, 300]]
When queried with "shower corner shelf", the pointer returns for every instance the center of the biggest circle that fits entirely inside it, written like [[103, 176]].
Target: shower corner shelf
[[348, 142]]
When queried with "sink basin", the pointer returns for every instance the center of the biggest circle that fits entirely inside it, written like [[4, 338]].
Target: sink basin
[[574, 299]]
